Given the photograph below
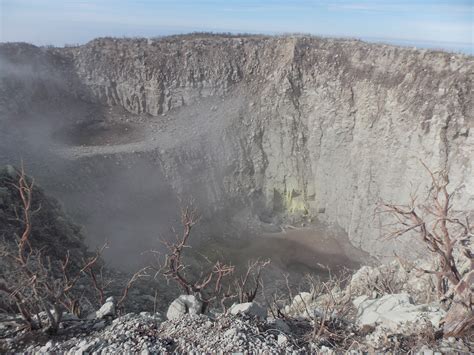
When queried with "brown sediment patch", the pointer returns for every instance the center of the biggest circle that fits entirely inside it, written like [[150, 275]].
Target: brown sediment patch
[[314, 249], [298, 251]]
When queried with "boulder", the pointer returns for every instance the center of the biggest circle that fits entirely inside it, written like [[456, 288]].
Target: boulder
[[383, 338], [249, 308], [394, 278], [282, 339], [182, 305], [107, 310], [300, 303], [394, 310]]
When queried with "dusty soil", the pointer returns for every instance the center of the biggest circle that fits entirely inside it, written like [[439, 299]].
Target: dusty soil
[[297, 251]]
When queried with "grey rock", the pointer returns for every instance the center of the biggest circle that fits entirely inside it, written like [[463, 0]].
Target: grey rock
[[107, 309], [282, 339], [280, 325], [99, 325], [392, 311], [184, 304], [249, 308], [231, 333], [299, 304]]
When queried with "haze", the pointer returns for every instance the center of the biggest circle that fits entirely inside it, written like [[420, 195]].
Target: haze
[[439, 24]]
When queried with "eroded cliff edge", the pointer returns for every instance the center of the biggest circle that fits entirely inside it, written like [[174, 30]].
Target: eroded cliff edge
[[285, 124]]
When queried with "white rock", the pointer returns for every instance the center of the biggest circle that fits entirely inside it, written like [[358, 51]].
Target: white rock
[[302, 298], [231, 333], [300, 302], [107, 309], [326, 350], [46, 347], [249, 308], [425, 350], [394, 310], [182, 305], [402, 279], [282, 339]]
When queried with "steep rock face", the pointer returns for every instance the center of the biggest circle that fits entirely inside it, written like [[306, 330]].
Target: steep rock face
[[296, 124], [155, 76], [327, 126], [33, 78]]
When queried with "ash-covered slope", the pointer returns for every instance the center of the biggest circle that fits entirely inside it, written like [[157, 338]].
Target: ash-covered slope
[[52, 229], [52, 233], [287, 125]]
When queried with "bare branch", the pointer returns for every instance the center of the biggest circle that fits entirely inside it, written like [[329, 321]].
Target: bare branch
[[441, 233]]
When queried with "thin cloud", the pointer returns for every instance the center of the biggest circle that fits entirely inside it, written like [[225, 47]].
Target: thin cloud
[[63, 21], [408, 6]]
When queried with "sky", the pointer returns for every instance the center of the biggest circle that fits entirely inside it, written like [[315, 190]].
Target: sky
[[445, 24]]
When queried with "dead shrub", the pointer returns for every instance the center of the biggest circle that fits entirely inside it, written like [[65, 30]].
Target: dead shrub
[[217, 285], [38, 285], [447, 235]]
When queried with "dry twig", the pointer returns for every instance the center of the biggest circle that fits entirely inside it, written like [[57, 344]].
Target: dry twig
[[441, 232]]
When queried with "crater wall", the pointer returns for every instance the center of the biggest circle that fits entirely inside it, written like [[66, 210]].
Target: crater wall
[[289, 125]]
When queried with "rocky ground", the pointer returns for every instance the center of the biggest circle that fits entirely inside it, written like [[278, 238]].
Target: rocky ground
[[376, 321], [391, 307]]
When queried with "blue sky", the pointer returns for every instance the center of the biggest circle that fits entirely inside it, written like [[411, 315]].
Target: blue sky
[[434, 23]]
